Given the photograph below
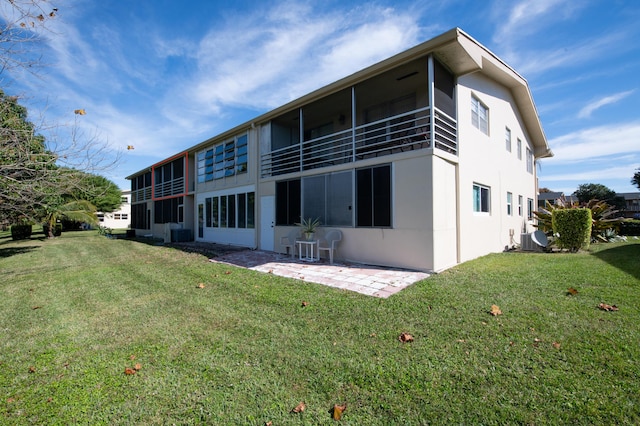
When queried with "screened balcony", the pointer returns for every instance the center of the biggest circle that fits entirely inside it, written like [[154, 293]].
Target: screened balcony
[[387, 114]]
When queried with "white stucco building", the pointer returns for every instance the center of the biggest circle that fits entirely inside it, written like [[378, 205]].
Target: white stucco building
[[118, 219], [422, 161]]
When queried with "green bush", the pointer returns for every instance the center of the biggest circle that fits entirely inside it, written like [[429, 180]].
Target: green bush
[[629, 227], [57, 230], [573, 228], [21, 232]]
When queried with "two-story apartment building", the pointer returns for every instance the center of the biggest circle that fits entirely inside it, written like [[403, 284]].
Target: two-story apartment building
[[424, 160]]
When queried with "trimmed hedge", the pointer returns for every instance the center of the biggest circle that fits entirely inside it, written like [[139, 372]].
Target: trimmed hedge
[[573, 227], [21, 232], [629, 228]]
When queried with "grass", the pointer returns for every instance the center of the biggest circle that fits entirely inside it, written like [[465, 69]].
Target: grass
[[79, 309]]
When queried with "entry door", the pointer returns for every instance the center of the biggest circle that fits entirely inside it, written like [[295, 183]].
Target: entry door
[[267, 222]]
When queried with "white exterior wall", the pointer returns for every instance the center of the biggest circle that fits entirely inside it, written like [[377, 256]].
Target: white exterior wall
[[114, 220], [485, 160]]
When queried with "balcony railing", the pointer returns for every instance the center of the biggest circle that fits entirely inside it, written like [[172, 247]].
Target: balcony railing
[[169, 188], [143, 194], [400, 133]]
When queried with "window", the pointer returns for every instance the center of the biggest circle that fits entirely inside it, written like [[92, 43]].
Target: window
[[479, 115], [509, 203], [507, 138], [519, 205], [124, 200], [166, 211], [222, 160], [116, 216], [329, 198], [230, 211], [529, 161], [373, 196], [530, 208], [288, 202], [519, 147], [481, 198]]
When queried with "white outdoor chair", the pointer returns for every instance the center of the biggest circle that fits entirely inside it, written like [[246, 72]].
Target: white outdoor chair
[[289, 241], [330, 243]]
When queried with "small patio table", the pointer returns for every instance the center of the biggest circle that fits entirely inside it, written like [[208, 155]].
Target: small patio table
[[310, 246]]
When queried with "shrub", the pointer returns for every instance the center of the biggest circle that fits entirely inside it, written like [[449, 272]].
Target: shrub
[[573, 228], [21, 232], [630, 227], [57, 229]]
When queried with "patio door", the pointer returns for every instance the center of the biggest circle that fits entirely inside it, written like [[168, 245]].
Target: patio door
[[267, 222]]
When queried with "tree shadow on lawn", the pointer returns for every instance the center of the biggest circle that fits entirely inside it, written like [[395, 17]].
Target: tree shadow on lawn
[[12, 251], [625, 258]]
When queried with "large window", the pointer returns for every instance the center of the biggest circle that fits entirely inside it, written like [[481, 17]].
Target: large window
[[223, 160], [373, 196], [479, 115], [329, 198], [230, 211], [167, 210], [481, 198]]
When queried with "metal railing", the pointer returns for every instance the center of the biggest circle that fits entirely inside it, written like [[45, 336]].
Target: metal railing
[[169, 188], [143, 194], [400, 133]]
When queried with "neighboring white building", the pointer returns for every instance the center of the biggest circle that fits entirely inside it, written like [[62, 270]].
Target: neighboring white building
[[121, 218], [423, 161]]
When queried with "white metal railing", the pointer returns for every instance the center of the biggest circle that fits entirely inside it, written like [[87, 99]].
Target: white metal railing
[[403, 132], [166, 189], [143, 194]]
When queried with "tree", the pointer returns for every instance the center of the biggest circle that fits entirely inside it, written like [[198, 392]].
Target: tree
[[21, 21], [99, 191], [594, 191], [635, 180]]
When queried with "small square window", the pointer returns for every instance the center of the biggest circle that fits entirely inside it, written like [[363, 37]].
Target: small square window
[[481, 198]]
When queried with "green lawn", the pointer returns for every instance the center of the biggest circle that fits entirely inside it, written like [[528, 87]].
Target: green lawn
[[77, 310]]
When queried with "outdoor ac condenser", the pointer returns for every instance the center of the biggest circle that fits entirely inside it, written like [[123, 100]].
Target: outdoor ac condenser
[[527, 244]]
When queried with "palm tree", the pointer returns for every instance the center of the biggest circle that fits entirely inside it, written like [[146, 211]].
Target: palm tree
[[77, 210]]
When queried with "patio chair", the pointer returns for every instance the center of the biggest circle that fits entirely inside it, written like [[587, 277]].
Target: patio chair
[[289, 241], [330, 243]]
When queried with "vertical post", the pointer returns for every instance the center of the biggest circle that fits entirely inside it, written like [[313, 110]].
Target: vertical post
[[353, 124], [301, 136], [432, 97]]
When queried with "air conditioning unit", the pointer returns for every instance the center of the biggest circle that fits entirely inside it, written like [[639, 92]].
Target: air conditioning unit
[[527, 243]]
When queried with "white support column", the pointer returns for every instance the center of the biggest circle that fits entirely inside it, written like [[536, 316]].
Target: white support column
[[432, 97]]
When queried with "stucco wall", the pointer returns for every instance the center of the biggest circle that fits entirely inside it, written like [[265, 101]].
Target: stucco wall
[[485, 160]]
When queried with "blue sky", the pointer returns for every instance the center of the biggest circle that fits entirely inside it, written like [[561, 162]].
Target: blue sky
[[163, 75]]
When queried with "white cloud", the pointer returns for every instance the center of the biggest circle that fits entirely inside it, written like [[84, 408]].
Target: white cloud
[[614, 139], [607, 100], [594, 175]]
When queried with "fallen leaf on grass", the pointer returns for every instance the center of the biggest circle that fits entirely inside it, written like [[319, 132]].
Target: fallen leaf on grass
[[137, 367], [269, 423], [304, 303], [495, 310], [556, 345], [338, 410], [227, 272], [299, 408], [10, 400], [608, 308], [571, 291], [36, 307], [405, 338], [32, 369], [129, 371], [132, 357], [201, 285]]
